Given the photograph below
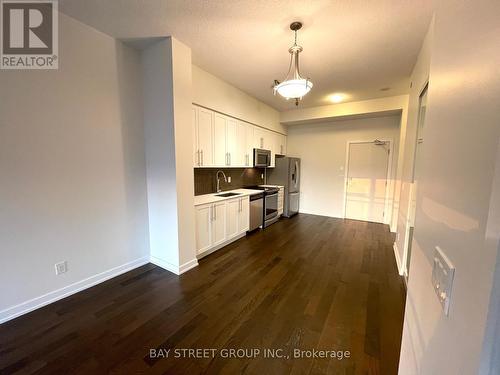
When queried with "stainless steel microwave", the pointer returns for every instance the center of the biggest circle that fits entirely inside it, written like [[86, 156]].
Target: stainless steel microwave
[[261, 158]]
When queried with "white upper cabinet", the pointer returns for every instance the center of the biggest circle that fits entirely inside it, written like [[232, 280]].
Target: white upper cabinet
[[233, 143], [220, 154], [280, 145], [249, 146], [223, 141], [203, 121], [259, 138], [196, 150], [239, 150]]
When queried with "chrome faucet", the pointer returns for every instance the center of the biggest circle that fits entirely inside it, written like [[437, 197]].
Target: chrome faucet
[[218, 182]]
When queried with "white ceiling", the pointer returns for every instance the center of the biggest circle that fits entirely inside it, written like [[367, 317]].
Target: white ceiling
[[356, 47]]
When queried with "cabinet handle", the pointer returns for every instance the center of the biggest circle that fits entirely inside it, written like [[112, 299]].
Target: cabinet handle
[[229, 155], [199, 157], [201, 152], [281, 149], [261, 142]]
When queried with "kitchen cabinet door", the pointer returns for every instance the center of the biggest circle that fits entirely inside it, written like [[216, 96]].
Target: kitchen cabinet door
[[249, 145], [259, 137], [239, 153], [218, 223], [280, 144], [243, 214], [205, 125], [194, 124], [283, 144], [270, 143], [203, 217], [220, 153], [232, 217], [232, 152]]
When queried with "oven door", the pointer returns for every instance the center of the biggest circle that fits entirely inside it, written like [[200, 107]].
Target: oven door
[[270, 208]]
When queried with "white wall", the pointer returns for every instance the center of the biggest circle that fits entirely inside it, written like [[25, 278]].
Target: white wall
[[322, 149], [72, 170], [460, 149], [212, 92], [169, 134]]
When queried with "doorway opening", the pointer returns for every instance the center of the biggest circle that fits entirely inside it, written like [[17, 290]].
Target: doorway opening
[[368, 171]]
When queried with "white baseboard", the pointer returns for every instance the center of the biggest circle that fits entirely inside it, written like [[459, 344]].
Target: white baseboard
[[307, 212], [398, 261], [178, 270], [188, 265], [45, 299]]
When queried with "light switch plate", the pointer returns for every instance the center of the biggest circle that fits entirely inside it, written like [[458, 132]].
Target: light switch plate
[[443, 273]]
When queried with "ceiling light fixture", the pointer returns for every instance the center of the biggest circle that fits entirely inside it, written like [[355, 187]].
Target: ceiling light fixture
[[336, 98], [293, 86]]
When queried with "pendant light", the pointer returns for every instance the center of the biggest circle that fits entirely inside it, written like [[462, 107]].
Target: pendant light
[[294, 86]]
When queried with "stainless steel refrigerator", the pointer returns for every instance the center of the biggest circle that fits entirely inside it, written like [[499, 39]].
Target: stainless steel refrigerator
[[287, 173]]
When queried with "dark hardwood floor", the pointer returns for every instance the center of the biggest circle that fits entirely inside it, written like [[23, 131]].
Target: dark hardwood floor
[[307, 283]]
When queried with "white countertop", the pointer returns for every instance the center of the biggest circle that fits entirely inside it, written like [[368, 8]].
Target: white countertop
[[273, 186], [210, 198]]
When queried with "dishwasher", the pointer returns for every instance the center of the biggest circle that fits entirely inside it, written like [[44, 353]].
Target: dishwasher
[[256, 211]]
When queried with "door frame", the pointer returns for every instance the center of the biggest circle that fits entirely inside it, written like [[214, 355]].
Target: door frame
[[388, 188]]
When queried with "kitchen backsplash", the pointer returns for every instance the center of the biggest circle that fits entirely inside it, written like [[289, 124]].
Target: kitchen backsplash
[[205, 182]]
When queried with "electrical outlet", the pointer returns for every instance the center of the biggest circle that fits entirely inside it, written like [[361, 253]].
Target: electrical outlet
[[228, 179], [262, 176], [61, 267]]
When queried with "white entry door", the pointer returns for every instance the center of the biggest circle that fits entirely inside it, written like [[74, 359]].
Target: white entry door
[[366, 185]]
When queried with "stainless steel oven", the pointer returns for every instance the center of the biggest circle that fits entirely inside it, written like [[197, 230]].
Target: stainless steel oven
[[270, 206], [261, 158]]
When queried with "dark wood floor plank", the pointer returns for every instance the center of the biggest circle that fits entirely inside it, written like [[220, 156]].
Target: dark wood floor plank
[[309, 282]]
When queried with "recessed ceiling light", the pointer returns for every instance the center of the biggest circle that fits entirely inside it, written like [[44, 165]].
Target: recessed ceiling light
[[336, 98]]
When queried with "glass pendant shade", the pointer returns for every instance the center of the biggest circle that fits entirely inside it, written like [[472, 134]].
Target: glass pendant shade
[[293, 86]]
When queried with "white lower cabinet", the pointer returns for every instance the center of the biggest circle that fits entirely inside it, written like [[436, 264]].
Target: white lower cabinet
[[220, 222], [237, 211], [244, 215], [203, 217], [232, 213]]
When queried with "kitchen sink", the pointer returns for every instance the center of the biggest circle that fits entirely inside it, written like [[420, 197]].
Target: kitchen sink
[[227, 194]]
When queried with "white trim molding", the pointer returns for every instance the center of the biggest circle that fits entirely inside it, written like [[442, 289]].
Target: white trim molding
[[55, 295], [178, 270], [401, 271]]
